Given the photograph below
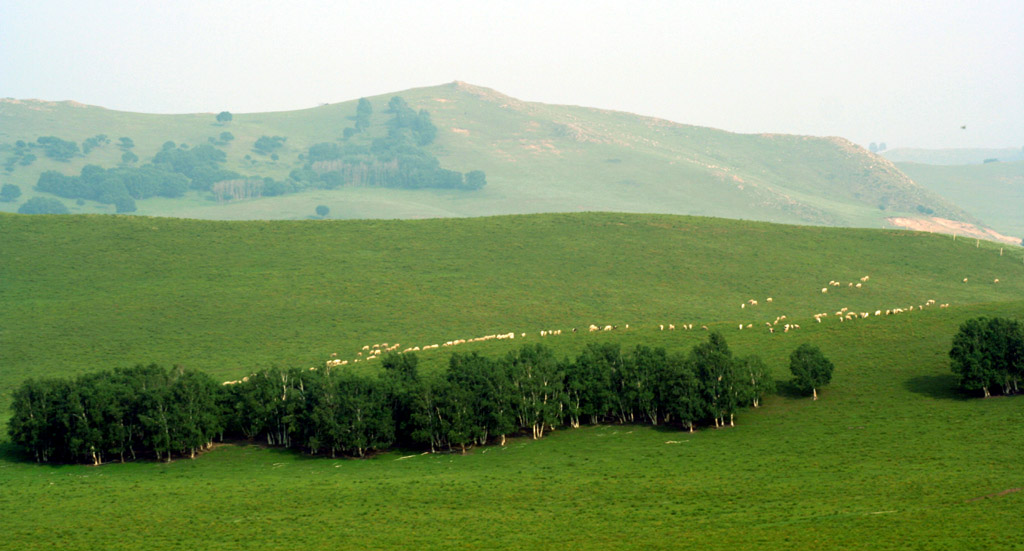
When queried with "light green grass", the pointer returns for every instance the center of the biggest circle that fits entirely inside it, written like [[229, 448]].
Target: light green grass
[[889, 457], [538, 158]]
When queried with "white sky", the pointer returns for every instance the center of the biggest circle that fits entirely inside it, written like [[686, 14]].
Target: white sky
[[905, 73]]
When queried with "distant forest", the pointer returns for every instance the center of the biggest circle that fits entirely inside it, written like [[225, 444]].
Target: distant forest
[[397, 161]]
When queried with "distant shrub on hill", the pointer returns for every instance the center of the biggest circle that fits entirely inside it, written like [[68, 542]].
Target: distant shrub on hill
[[43, 205], [58, 149], [9, 193]]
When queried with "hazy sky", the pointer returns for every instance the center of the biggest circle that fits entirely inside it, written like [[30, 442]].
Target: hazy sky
[[905, 73]]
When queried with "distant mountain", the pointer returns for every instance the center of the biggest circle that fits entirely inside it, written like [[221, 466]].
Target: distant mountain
[[953, 156], [536, 157]]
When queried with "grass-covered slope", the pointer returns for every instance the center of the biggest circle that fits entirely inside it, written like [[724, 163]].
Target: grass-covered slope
[[88, 292], [538, 158], [889, 457], [992, 191]]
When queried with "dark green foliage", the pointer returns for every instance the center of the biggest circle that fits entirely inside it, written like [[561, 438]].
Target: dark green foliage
[[475, 179], [810, 368], [128, 157], [58, 149], [988, 352], [116, 414], [43, 205], [333, 411], [267, 145], [125, 143], [9, 193], [224, 117], [115, 184], [92, 143], [124, 204], [201, 164], [363, 112], [322, 210]]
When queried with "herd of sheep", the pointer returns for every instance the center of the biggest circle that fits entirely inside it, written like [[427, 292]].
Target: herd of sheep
[[373, 351]]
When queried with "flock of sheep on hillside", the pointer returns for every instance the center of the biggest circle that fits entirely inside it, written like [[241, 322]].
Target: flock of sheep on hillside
[[844, 314]]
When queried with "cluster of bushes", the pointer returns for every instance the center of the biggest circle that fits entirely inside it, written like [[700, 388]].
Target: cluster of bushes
[[120, 414], [21, 155], [395, 161], [989, 353], [153, 412]]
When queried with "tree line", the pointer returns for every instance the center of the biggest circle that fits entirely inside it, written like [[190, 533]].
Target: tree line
[[159, 413], [988, 353]]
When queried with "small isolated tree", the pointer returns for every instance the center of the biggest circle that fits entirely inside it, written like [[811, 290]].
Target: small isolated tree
[[224, 117], [322, 210], [9, 193], [811, 369], [43, 205]]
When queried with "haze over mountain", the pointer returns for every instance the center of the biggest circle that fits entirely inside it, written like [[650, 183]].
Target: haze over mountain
[[537, 158]]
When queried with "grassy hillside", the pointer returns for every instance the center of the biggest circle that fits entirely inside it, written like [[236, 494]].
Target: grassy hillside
[[993, 191], [889, 457], [538, 158], [89, 292]]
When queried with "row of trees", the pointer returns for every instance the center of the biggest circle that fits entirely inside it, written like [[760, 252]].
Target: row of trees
[[989, 353], [149, 411], [120, 414]]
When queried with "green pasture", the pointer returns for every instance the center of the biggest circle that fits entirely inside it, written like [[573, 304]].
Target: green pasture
[[890, 456]]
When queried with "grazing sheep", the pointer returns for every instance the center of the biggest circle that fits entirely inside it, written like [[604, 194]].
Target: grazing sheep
[[661, 327], [750, 325], [965, 280], [996, 281], [857, 285], [743, 305], [824, 289], [741, 327], [671, 327], [769, 299]]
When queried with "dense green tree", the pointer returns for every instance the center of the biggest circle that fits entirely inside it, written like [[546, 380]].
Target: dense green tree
[[810, 368], [987, 352], [476, 179], [322, 210], [363, 112], [759, 381], [9, 193], [716, 370], [58, 149], [266, 145], [224, 117], [125, 143], [43, 205]]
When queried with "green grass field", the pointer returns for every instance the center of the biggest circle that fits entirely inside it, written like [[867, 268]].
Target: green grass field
[[992, 191], [538, 158], [889, 457]]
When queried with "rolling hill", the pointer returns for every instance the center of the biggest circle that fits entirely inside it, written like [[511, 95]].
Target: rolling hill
[[890, 457], [537, 158], [993, 191]]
